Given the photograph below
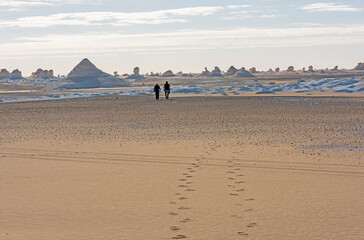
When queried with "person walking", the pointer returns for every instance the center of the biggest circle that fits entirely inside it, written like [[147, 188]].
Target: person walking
[[157, 89], [167, 90]]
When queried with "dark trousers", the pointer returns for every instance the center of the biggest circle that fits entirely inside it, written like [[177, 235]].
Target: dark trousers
[[156, 95]]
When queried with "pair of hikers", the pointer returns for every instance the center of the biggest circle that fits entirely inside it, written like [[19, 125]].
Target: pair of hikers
[[166, 89]]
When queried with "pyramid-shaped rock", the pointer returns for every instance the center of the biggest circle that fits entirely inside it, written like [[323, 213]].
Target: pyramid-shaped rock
[[87, 75], [243, 73]]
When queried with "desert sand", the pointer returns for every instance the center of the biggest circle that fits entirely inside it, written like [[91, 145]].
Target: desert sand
[[243, 167]]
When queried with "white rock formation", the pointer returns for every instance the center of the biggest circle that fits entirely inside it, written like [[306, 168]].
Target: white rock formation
[[243, 73], [360, 66], [16, 74], [270, 71], [168, 73], [290, 69], [336, 68], [40, 73], [206, 72], [87, 75], [136, 75], [277, 69], [253, 70], [310, 69], [216, 73], [231, 71], [4, 73]]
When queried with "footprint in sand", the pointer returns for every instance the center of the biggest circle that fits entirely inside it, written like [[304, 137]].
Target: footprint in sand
[[240, 190], [173, 213], [174, 228], [189, 183], [250, 225], [249, 210], [186, 220], [182, 179], [183, 208], [239, 182], [178, 194], [230, 178], [190, 190], [243, 234], [234, 194], [184, 174], [231, 172], [171, 202], [182, 186], [182, 198], [249, 199], [180, 237]]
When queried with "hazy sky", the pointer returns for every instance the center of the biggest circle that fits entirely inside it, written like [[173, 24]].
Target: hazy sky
[[181, 35]]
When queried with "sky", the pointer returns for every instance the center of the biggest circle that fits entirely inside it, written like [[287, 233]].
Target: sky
[[180, 35]]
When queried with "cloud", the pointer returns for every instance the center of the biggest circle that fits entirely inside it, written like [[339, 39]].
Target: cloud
[[237, 6], [16, 5], [329, 7], [109, 18], [241, 38]]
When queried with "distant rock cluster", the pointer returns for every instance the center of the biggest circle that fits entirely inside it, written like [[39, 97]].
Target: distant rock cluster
[[40, 73], [16, 74]]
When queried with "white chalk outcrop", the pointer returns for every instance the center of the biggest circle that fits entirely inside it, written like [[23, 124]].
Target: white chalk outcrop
[[4, 73], [16, 74], [40, 73], [136, 75], [206, 72], [168, 73], [87, 75], [290, 69], [243, 73], [216, 73], [231, 71]]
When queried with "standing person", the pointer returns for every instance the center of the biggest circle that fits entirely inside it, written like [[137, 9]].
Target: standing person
[[167, 90], [157, 89]]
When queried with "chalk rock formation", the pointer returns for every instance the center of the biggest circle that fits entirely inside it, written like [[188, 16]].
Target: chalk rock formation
[[277, 69], [231, 71], [216, 73], [16, 74], [360, 66], [270, 71], [336, 68], [290, 69], [87, 75], [310, 69], [253, 70], [136, 75], [4, 73], [168, 73], [206, 72], [40, 73], [243, 73]]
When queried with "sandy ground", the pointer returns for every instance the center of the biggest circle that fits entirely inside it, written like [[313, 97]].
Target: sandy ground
[[189, 168]]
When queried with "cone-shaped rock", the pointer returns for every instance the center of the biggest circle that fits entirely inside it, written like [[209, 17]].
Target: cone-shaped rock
[[87, 75], [243, 73]]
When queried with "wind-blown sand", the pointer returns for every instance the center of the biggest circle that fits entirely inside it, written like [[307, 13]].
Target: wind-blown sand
[[189, 168]]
